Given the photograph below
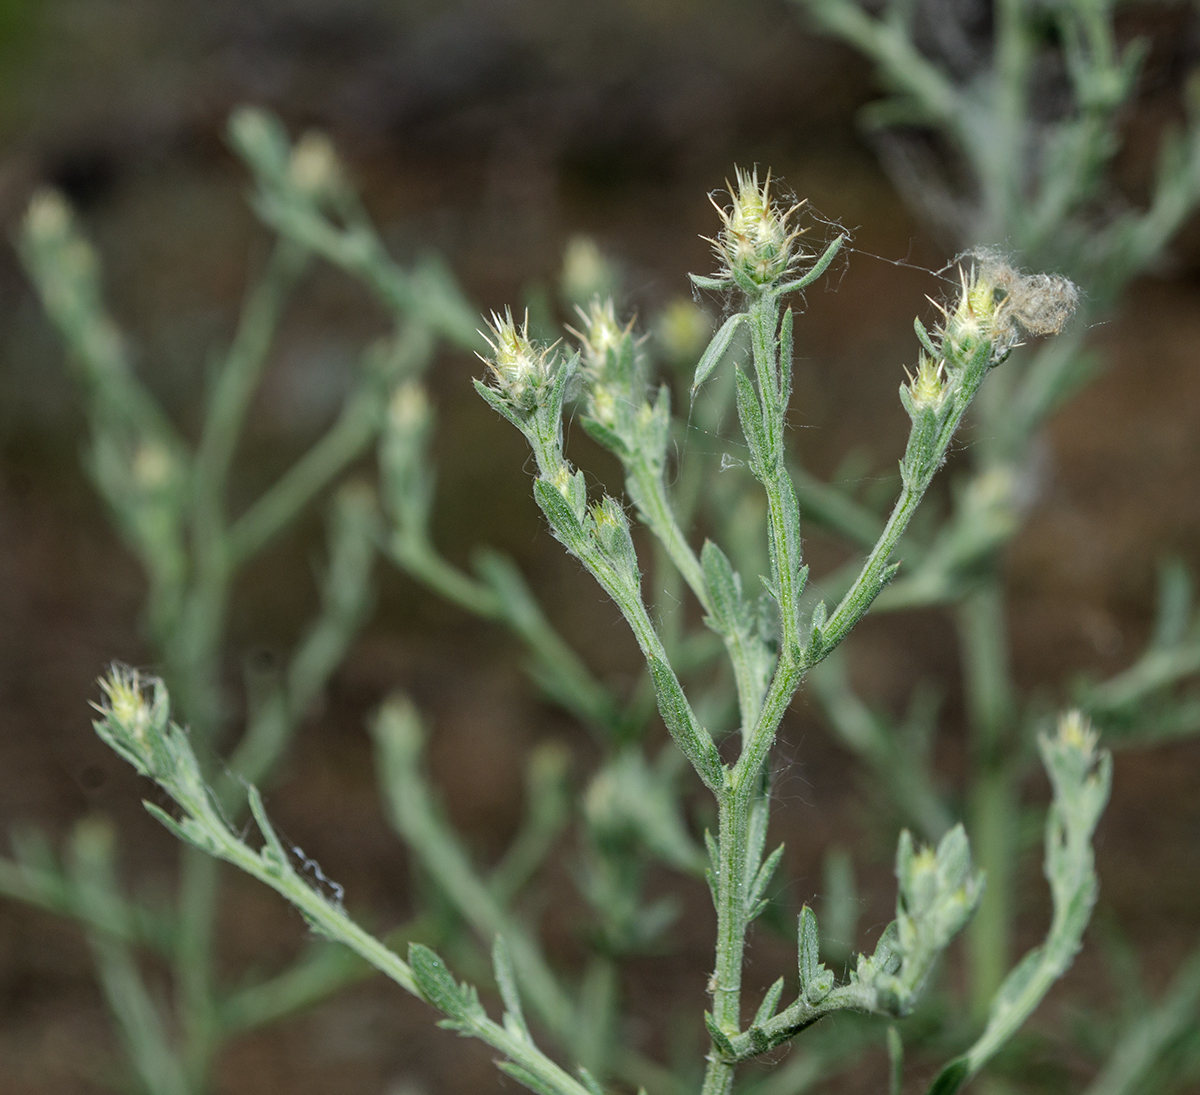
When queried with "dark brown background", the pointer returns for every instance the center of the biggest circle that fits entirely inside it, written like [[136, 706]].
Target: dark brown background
[[494, 131]]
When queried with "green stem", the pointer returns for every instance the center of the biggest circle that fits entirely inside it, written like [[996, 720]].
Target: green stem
[[990, 710], [346, 440], [235, 386], [415, 817], [658, 513], [413, 554], [726, 985], [774, 386], [999, 149], [194, 963]]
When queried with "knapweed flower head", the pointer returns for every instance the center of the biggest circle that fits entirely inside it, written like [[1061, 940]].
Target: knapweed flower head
[[928, 387], [757, 245], [602, 335], [522, 372], [612, 363], [1000, 304], [126, 701], [973, 320]]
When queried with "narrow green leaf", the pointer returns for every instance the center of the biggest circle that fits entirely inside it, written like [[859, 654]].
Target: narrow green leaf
[[951, 1078], [751, 418], [895, 1048], [725, 590], [720, 1039], [506, 982], [785, 343], [1019, 978], [437, 983], [763, 879], [712, 356], [710, 843], [563, 521], [766, 1010], [1174, 604], [693, 740], [925, 340], [168, 822], [590, 1082], [817, 269], [809, 947], [606, 437]]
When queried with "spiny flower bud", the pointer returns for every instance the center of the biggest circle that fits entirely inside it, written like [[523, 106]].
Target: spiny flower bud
[[999, 304], [126, 695], [613, 369], [1075, 731], [601, 334], [757, 244], [522, 371], [928, 387], [973, 318]]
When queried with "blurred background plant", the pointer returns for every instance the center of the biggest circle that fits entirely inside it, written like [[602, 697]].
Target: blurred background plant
[[631, 130]]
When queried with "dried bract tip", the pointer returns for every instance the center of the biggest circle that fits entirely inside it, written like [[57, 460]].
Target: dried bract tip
[[521, 370], [757, 244]]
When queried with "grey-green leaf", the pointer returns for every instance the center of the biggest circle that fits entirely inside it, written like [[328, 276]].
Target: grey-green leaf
[[712, 356]]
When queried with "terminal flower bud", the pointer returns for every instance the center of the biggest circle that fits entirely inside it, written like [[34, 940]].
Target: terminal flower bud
[[757, 245], [522, 371], [998, 304], [613, 367], [602, 335]]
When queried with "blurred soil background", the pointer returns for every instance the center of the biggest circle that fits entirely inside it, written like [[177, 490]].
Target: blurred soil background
[[493, 132]]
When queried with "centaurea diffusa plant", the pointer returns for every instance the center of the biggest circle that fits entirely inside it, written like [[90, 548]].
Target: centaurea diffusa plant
[[1003, 132], [170, 500], [771, 642]]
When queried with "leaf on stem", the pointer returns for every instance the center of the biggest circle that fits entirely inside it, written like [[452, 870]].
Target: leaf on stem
[[506, 982], [816, 980], [717, 348]]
